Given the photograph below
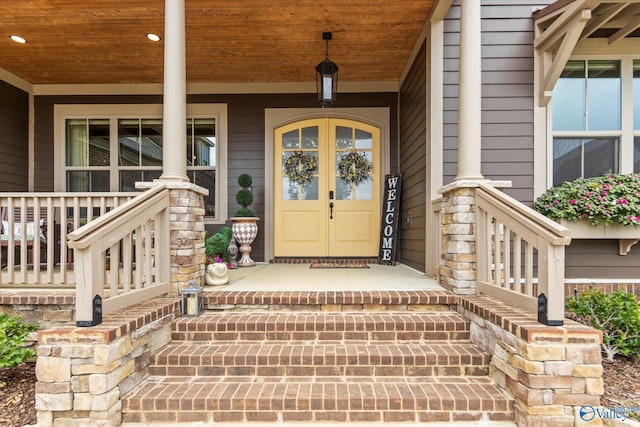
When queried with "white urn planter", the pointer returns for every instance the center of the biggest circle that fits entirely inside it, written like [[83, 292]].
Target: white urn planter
[[245, 230], [216, 274]]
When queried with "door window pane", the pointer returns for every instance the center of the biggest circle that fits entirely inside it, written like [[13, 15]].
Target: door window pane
[[569, 98], [364, 140], [364, 190], [343, 189], [603, 94], [310, 137], [309, 191], [291, 140], [344, 137]]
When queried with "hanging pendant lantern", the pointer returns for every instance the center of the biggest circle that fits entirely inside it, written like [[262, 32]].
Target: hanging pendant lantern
[[327, 77]]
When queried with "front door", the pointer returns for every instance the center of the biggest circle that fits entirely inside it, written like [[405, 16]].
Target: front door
[[319, 212]]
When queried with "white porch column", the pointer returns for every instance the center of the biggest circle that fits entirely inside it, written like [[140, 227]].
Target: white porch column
[[470, 92], [174, 113]]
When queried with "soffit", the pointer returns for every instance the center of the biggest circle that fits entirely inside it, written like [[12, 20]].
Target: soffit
[[103, 41]]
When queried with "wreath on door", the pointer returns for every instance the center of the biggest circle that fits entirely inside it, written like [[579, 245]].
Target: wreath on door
[[354, 167], [299, 167]]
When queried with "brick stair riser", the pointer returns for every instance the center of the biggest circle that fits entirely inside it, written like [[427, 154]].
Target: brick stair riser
[[275, 401], [321, 336]]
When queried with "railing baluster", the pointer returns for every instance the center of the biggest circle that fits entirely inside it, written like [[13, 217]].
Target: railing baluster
[[139, 261], [528, 265], [50, 239], [127, 264], [507, 256], [114, 268], [517, 262], [11, 248], [148, 278]]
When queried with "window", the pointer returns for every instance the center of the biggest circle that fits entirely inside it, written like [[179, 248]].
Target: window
[[110, 148], [636, 116], [587, 120]]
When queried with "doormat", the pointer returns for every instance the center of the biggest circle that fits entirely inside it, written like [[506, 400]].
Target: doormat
[[329, 264]]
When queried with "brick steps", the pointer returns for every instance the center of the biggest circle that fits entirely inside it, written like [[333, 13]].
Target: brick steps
[[239, 399], [284, 359], [395, 357], [321, 326]]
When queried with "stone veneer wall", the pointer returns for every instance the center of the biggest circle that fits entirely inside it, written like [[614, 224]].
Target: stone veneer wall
[[83, 372], [551, 371], [458, 260], [186, 215]]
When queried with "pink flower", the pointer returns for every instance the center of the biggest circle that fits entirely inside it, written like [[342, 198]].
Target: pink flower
[[572, 202], [622, 201]]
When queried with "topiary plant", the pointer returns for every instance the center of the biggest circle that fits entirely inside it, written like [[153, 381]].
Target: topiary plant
[[244, 197]]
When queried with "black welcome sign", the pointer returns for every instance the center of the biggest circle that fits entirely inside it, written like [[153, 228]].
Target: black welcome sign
[[390, 216]]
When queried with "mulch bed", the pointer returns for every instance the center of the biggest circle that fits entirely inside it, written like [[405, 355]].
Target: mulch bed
[[17, 395]]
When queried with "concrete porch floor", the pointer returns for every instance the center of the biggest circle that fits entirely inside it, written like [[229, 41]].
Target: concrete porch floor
[[296, 277]]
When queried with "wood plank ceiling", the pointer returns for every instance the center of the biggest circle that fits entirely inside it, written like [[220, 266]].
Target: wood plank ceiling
[[103, 41]]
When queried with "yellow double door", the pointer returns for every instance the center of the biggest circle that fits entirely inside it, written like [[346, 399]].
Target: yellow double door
[[327, 215]]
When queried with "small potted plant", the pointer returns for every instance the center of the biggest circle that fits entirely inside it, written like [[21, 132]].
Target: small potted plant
[[217, 261], [245, 222]]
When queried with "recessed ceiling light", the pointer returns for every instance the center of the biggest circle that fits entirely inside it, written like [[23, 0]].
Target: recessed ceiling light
[[153, 37], [18, 39]]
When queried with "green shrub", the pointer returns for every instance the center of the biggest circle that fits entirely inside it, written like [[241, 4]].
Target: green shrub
[[217, 245], [13, 334], [616, 314]]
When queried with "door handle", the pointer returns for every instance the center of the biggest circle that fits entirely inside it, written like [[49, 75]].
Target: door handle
[[330, 210]]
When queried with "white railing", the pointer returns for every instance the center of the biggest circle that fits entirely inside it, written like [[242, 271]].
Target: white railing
[[35, 226], [122, 257], [520, 254]]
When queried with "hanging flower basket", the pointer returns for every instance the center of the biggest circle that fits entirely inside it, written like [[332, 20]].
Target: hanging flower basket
[[299, 167], [354, 167]]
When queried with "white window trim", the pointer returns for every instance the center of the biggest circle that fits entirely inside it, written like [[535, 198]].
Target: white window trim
[[626, 134], [62, 112]]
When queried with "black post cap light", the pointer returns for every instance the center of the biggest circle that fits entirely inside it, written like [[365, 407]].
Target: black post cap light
[[327, 77]]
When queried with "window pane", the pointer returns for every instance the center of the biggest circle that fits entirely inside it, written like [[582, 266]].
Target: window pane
[[129, 142], [310, 137], [344, 137], [636, 95], [290, 140], [569, 98], [636, 154], [343, 189], [128, 178], [310, 190], [364, 140], [151, 142], [204, 142], [87, 181], [600, 156], [207, 179], [99, 142], [603, 93], [567, 159], [76, 143]]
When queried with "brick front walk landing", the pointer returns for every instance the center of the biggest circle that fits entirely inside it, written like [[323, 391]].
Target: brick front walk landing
[[319, 357]]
